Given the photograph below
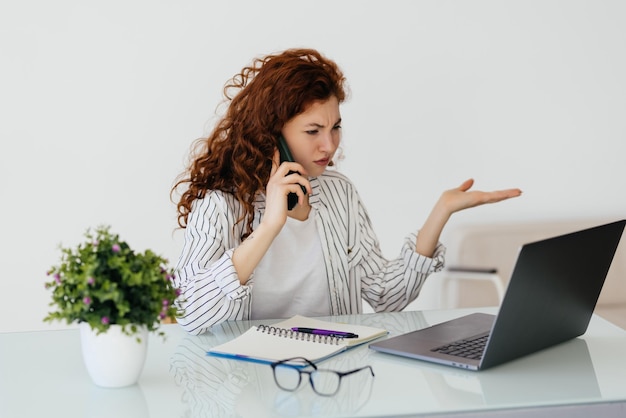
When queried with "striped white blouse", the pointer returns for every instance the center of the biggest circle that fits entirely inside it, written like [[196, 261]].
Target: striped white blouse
[[355, 267]]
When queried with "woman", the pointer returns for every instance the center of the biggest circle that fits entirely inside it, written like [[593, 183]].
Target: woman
[[246, 256]]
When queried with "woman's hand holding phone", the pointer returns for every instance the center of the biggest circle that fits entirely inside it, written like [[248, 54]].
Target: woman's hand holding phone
[[285, 179], [285, 156]]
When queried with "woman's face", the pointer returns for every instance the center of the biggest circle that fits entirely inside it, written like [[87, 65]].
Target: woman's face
[[313, 136]]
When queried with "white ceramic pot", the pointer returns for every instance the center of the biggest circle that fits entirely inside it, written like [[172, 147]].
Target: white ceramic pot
[[113, 359]]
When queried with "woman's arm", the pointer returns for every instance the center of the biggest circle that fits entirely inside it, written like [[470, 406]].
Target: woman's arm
[[205, 274], [215, 265], [451, 201], [389, 285], [248, 255]]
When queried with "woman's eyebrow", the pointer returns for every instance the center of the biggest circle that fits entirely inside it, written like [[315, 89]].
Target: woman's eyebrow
[[318, 125]]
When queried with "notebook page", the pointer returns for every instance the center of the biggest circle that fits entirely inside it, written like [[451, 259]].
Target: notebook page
[[256, 345]]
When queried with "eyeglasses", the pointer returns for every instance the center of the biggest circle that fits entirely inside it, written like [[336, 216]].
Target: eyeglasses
[[288, 376]]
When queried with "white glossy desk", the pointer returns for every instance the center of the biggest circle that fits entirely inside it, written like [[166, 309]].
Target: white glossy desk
[[42, 374]]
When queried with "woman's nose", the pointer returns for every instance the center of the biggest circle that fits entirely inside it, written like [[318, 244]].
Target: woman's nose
[[327, 142]]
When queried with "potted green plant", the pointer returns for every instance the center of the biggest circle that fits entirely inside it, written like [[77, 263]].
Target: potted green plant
[[117, 296]]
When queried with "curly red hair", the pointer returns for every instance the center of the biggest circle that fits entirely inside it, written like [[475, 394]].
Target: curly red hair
[[237, 156]]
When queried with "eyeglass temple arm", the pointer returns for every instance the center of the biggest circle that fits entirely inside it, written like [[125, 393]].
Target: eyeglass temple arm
[[357, 370]]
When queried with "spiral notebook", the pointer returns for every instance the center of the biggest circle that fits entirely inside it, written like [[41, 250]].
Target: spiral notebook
[[275, 342]]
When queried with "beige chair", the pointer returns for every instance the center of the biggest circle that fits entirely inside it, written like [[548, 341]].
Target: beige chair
[[452, 279]]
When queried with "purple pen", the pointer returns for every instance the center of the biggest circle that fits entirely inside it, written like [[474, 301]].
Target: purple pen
[[326, 332]]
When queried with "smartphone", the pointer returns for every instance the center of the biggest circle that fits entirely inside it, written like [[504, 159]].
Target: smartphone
[[285, 155]]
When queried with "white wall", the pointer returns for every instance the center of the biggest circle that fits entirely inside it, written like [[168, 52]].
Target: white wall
[[100, 102]]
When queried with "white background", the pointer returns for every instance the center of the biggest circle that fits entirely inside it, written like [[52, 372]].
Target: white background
[[100, 102]]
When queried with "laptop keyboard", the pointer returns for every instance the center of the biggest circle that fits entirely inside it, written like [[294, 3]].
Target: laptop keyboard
[[471, 348]]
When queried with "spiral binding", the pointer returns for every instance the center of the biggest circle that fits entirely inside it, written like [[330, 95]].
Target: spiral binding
[[295, 335]]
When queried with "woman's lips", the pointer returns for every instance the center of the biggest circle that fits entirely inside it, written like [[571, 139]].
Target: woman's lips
[[322, 162]]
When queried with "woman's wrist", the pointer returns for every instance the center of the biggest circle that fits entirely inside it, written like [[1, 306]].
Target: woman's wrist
[[429, 234]]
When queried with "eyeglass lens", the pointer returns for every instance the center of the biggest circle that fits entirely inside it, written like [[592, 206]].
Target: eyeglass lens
[[324, 382], [287, 377]]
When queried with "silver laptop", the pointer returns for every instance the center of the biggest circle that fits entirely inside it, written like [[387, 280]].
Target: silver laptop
[[550, 298]]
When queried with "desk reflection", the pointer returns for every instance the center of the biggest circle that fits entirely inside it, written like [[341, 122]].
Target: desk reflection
[[218, 387], [36, 384], [117, 402], [558, 375]]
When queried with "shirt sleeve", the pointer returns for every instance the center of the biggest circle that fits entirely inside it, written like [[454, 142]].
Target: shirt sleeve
[[390, 285], [210, 291]]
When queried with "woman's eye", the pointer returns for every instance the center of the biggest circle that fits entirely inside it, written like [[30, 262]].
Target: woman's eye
[[337, 127], [312, 132]]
